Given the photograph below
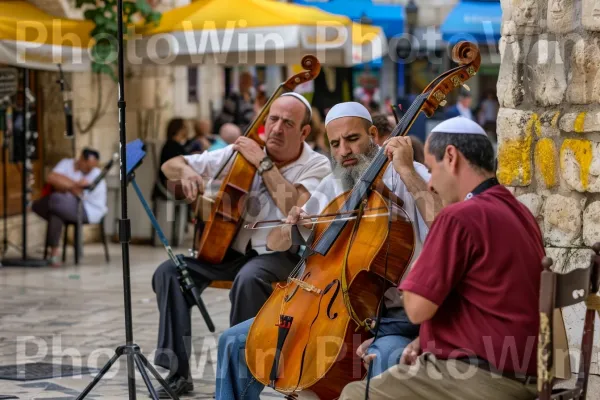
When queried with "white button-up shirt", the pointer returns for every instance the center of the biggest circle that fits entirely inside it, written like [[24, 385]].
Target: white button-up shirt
[[307, 171]]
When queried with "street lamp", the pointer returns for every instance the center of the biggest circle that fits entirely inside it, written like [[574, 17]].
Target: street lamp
[[412, 17]]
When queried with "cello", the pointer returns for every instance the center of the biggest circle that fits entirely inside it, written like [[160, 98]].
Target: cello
[[226, 211], [305, 336]]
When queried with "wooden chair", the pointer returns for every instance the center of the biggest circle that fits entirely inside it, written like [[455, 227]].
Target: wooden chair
[[559, 291], [179, 206]]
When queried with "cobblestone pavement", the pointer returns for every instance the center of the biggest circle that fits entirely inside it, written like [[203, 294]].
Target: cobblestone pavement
[[74, 315]]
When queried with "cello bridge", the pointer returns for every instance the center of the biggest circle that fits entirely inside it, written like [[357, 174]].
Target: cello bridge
[[306, 286]]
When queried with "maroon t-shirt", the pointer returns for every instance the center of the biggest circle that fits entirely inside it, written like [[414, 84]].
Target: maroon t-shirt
[[481, 264]]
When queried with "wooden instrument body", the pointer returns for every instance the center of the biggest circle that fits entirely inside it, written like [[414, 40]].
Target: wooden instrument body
[[226, 212], [322, 322]]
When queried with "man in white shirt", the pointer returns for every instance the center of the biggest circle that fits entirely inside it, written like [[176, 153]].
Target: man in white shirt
[[288, 171], [68, 181], [351, 133]]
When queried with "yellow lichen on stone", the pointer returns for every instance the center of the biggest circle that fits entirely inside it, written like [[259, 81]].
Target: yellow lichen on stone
[[582, 151], [579, 123], [554, 123], [534, 125], [514, 161], [545, 161]]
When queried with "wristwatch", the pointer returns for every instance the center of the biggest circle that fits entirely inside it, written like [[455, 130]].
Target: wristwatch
[[265, 165]]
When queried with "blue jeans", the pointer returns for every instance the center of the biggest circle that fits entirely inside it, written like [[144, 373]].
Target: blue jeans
[[235, 382]]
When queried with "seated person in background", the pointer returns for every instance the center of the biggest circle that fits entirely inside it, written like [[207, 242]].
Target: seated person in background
[[228, 134], [177, 134], [203, 139], [238, 106], [418, 148], [391, 119], [68, 180], [317, 138], [384, 128], [476, 300]]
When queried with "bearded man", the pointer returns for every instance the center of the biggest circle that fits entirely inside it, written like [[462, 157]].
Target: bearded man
[[351, 134]]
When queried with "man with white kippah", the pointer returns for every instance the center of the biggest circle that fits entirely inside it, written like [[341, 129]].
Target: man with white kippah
[[351, 134], [288, 172], [474, 288]]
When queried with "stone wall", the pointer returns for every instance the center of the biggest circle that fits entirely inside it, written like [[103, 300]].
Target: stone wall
[[549, 127]]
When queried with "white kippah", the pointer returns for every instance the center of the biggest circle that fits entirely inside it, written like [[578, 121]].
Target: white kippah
[[459, 125], [301, 98], [348, 109]]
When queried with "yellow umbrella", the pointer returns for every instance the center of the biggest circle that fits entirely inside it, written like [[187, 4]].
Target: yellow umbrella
[[257, 32], [33, 39]]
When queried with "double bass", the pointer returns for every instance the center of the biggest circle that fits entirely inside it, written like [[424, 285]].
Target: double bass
[[306, 335], [226, 211]]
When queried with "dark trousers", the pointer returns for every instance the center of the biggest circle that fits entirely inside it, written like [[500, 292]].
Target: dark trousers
[[252, 276], [57, 209]]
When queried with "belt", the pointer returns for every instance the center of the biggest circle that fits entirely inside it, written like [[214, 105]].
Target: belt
[[485, 365]]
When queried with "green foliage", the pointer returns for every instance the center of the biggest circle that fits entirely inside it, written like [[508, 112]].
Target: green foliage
[[103, 13]]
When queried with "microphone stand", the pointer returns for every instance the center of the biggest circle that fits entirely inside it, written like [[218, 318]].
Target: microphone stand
[[6, 115], [130, 349], [25, 261], [69, 134]]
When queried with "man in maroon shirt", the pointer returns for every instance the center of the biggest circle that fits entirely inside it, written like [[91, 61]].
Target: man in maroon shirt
[[474, 288]]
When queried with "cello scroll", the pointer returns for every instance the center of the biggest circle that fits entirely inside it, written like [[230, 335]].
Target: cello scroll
[[312, 66], [468, 57]]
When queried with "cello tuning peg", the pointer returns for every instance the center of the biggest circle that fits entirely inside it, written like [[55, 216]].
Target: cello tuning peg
[[467, 88], [443, 103]]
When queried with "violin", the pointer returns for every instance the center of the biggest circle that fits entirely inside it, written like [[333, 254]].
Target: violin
[[226, 211], [305, 336]]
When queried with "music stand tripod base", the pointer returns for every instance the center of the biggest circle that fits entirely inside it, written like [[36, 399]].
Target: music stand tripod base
[[141, 362]]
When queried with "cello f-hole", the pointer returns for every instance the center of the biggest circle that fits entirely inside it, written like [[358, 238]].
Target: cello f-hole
[[335, 294]]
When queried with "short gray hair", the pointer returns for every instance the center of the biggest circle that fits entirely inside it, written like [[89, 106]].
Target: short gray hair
[[477, 149]]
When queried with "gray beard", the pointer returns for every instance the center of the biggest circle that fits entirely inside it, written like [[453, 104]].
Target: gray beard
[[348, 176]]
